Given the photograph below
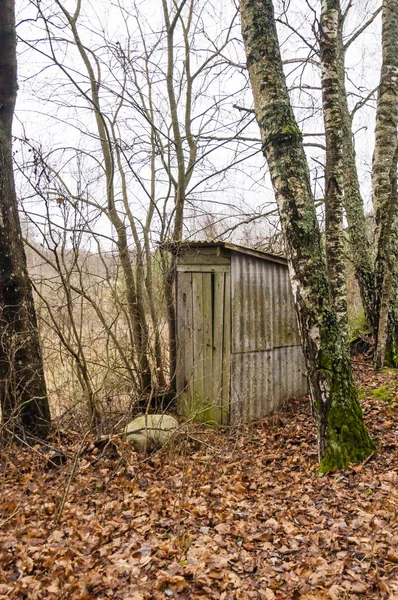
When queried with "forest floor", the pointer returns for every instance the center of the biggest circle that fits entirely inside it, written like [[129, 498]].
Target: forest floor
[[242, 515]]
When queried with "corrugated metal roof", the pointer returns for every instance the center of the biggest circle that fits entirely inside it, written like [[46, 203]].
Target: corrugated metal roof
[[176, 247]]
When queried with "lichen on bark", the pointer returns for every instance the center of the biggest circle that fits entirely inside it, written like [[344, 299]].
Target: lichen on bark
[[384, 178], [359, 242], [346, 435], [342, 434], [334, 171]]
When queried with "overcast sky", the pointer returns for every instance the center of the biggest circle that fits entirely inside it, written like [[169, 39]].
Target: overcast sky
[[51, 113]]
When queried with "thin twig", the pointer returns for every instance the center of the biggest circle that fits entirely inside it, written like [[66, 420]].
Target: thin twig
[[16, 511], [71, 476]]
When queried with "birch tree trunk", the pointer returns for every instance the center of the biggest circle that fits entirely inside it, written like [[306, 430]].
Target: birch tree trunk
[[334, 171], [361, 255], [342, 434], [384, 176], [23, 395]]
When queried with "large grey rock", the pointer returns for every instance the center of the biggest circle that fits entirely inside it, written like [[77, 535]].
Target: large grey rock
[[150, 432]]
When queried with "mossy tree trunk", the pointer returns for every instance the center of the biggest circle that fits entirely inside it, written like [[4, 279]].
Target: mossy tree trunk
[[334, 171], [342, 434], [23, 395], [384, 177], [378, 302], [359, 243], [391, 355]]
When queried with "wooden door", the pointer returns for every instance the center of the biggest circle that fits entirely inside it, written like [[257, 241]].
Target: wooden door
[[203, 342]]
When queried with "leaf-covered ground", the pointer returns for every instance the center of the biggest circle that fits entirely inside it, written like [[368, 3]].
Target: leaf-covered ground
[[242, 515]]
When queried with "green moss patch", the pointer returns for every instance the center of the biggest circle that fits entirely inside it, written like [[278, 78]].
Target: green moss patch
[[386, 393]]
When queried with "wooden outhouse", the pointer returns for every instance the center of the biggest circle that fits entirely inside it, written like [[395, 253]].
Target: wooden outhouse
[[238, 348]]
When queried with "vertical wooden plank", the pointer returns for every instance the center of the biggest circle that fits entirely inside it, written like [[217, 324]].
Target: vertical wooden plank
[[218, 343], [198, 341], [189, 370], [209, 408], [226, 359], [180, 332], [184, 342]]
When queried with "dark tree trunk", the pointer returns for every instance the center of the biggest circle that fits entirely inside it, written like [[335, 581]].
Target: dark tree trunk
[[342, 434], [23, 395]]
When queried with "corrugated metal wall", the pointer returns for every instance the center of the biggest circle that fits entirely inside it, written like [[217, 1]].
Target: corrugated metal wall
[[267, 363]]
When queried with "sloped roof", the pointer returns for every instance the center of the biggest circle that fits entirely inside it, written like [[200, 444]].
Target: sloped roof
[[177, 247]]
